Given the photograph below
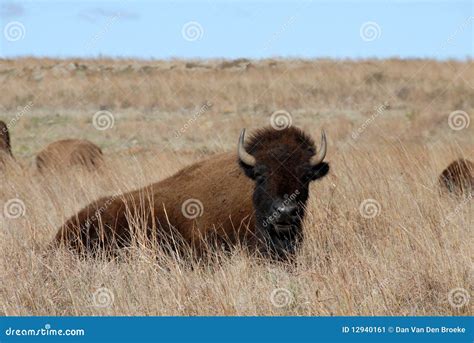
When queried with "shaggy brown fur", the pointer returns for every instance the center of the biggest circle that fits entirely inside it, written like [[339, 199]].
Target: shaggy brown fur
[[5, 139], [6, 156], [226, 212], [68, 153], [226, 217], [458, 177]]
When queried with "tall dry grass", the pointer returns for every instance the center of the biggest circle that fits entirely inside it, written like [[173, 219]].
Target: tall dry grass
[[380, 237]]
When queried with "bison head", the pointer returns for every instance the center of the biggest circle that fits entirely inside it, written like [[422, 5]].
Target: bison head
[[282, 163]]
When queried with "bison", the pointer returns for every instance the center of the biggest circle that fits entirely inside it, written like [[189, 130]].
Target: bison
[[6, 156], [254, 198], [458, 177], [68, 153], [5, 139]]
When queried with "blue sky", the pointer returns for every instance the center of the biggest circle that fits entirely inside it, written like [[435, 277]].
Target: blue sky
[[232, 29]]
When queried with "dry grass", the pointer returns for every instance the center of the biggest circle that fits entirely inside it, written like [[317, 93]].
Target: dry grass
[[403, 261]]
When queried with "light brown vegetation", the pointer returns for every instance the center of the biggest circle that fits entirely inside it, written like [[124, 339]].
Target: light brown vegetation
[[403, 261]]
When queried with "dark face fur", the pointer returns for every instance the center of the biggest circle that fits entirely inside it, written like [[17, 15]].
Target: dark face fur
[[282, 174]]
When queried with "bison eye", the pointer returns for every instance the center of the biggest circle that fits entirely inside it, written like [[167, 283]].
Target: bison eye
[[258, 176], [310, 173], [259, 173]]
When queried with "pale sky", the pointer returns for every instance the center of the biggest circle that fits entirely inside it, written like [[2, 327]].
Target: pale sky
[[232, 29]]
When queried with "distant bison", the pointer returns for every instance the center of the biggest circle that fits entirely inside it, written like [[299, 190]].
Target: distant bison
[[255, 198], [6, 156], [5, 139], [68, 153], [458, 177]]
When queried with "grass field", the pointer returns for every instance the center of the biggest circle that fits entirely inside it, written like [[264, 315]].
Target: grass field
[[380, 237]]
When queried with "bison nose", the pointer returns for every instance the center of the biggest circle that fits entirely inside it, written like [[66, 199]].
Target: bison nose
[[286, 213]]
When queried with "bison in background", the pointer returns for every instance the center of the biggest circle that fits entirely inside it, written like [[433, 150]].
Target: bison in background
[[5, 147], [458, 178], [69, 153], [6, 156], [255, 199]]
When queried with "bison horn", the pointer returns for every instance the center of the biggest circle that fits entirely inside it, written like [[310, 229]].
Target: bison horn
[[244, 156], [319, 157]]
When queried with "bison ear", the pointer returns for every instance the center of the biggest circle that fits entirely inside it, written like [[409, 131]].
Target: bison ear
[[320, 170], [248, 170]]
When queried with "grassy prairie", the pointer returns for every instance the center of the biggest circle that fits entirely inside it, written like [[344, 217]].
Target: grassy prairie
[[380, 237]]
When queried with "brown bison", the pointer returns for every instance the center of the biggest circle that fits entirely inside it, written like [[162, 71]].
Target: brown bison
[[458, 177], [68, 153], [5, 139], [255, 199], [6, 156]]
